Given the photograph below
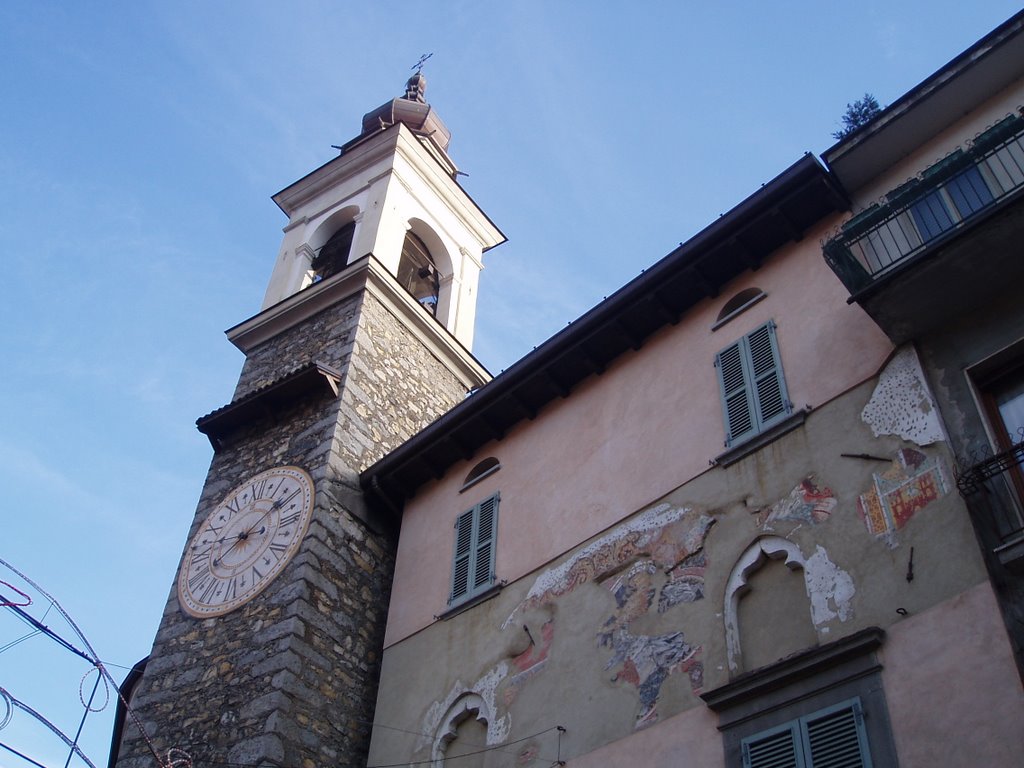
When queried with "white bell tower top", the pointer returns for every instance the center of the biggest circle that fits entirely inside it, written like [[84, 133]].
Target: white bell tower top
[[391, 196]]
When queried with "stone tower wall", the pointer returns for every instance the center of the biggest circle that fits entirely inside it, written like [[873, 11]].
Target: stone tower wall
[[291, 676]]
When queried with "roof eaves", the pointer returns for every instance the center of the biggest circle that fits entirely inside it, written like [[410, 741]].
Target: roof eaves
[[511, 385]]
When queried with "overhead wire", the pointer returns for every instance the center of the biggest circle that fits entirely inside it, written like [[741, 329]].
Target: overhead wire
[[93, 658], [22, 755]]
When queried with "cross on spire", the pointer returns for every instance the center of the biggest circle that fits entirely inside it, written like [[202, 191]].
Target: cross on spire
[[418, 66]]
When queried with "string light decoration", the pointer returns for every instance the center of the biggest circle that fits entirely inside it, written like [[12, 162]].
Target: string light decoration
[[175, 757]]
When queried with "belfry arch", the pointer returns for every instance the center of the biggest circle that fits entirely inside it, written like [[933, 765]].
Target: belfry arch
[[426, 270]]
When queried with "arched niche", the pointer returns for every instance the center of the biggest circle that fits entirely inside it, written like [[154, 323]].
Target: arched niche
[[755, 556], [469, 705]]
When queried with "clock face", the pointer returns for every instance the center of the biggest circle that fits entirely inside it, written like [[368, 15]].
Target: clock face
[[246, 541]]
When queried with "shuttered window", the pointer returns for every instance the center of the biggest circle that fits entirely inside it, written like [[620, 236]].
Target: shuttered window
[[753, 389], [830, 738], [473, 557]]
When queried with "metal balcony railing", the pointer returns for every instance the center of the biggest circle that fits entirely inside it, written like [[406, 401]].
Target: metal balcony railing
[[992, 489], [946, 197]]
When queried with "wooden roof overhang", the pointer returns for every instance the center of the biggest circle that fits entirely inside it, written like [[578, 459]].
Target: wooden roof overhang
[[781, 211], [310, 380]]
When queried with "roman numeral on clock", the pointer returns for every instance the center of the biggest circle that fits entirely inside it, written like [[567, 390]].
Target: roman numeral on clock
[[208, 592], [196, 580], [258, 489]]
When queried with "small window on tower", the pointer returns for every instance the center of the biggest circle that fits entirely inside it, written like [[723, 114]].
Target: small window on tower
[[333, 256], [418, 274]]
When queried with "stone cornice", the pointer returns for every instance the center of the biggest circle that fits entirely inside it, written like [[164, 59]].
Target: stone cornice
[[365, 274], [399, 141]]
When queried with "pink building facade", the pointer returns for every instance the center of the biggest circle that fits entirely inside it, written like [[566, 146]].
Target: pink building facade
[[717, 520]]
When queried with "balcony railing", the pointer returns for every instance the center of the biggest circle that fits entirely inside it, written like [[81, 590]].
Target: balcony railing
[[946, 197], [993, 490]]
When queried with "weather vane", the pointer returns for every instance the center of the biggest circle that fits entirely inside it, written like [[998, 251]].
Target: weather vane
[[418, 66]]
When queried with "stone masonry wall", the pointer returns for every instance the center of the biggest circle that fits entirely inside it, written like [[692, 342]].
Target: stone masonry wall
[[290, 678], [394, 387], [327, 338]]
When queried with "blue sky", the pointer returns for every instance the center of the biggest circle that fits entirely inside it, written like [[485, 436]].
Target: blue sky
[[141, 144]]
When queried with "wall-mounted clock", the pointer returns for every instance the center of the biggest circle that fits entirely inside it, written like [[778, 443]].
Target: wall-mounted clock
[[245, 542]]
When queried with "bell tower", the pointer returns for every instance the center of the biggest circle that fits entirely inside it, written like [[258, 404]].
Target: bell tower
[[269, 646]]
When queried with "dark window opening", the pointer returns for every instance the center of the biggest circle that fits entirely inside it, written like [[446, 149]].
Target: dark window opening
[[333, 256], [482, 469], [738, 304], [418, 274]]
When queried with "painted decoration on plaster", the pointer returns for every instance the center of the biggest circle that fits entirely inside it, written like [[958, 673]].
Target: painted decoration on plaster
[[685, 582], [666, 535], [667, 539], [645, 661], [664, 539], [912, 482], [807, 503], [530, 662], [902, 404]]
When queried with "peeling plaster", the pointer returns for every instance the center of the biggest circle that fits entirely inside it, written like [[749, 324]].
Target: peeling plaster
[[830, 589], [902, 404], [625, 561], [653, 533]]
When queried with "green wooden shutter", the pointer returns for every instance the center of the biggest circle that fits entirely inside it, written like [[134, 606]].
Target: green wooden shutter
[[766, 369], [483, 563], [736, 404], [777, 748], [829, 738], [463, 550], [473, 555], [835, 737], [752, 387]]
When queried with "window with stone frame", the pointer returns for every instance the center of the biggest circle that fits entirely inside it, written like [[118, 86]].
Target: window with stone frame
[[824, 704]]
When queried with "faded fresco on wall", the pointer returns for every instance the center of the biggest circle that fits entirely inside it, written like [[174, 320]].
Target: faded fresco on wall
[[662, 545], [902, 404], [912, 482], [654, 562], [530, 662], [666, 535], [645, 661], [807, 503]]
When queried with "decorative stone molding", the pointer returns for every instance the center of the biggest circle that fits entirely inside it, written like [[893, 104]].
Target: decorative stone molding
[[468, 705], [767, 547]]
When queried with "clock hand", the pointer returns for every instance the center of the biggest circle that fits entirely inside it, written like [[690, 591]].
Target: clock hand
[[276, 505], [244, 535]]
